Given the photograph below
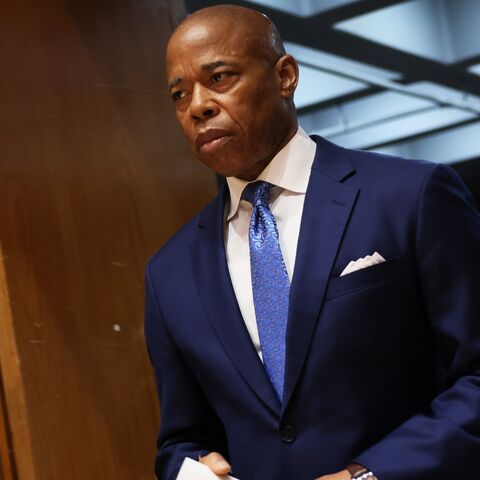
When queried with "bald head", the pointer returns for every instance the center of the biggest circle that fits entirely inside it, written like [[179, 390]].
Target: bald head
[[256, 31], [232, 85]]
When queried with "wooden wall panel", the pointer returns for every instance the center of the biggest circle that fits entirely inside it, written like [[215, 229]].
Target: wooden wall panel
[[13, 388], [94, 177]]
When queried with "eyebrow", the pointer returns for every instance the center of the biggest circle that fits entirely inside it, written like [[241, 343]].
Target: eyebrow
[[174, 82], [205, 66], [216, 64]]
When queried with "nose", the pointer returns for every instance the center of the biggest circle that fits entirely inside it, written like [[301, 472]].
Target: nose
[[202, 105]]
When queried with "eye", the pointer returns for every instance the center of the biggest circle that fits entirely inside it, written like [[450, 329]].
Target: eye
[[219, 76], [178, 95]]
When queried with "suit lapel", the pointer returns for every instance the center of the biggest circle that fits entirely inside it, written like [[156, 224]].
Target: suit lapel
[[327, 208], [219, 301]]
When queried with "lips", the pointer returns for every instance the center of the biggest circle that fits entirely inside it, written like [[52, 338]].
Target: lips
[[209, 140]]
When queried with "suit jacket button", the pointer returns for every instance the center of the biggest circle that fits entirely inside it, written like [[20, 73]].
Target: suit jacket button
[[288, 433]]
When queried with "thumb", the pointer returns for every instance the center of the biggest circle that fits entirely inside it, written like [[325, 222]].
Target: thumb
[[216, 463]]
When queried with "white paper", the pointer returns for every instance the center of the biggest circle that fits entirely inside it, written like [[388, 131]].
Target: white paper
[[192, 470]]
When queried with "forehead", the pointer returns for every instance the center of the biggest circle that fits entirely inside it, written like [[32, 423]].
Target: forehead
[[202, 43]]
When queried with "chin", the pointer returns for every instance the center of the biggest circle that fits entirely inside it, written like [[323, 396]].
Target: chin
[[225, 173], [222, 169]]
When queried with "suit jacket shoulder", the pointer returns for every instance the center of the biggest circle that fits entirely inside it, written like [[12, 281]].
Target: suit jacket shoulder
[[182, 241]]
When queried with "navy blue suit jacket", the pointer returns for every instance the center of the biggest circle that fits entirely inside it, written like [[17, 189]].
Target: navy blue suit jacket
[[383, 364]]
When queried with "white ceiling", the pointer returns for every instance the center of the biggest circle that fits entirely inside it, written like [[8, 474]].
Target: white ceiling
[[443, 30]]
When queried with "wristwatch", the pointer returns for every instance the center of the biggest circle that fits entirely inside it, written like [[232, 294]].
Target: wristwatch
[[359, 472]]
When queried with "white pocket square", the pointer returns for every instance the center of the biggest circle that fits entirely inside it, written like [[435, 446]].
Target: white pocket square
[[364, 262]]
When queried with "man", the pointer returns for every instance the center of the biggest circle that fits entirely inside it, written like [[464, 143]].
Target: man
[[276, 355]]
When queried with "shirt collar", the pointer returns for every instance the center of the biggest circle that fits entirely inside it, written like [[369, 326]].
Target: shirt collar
[[289, 169]]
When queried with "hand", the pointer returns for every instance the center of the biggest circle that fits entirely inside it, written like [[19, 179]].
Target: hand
[[217, 464], [343, 475]]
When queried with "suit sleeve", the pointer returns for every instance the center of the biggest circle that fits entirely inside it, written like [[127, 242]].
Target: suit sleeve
[[188, 426], [443, 442]]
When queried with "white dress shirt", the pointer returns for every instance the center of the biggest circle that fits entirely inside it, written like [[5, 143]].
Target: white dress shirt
[[289, 171]]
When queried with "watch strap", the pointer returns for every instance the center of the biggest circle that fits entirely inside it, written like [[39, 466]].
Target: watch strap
[[355, 470], [359, 472]]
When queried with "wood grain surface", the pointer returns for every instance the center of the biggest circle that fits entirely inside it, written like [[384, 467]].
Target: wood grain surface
[[12, 386], [94, 177]]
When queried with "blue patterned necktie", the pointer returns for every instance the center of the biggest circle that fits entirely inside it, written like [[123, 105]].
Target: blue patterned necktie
[[270, 283]]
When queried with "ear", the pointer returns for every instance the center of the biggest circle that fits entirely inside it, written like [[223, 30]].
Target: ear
[[287, 71]]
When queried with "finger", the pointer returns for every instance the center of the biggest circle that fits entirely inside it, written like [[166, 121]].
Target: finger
[[216, 463]]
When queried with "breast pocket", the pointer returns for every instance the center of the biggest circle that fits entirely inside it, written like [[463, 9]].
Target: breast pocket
[[369, 277]]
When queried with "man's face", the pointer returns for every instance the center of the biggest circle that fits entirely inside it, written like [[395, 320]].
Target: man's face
[[227, 97]]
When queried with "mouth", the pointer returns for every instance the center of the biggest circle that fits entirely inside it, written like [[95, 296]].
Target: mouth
[[212, 139]]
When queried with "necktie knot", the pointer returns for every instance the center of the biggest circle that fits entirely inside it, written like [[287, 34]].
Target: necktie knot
[[257, 193]]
